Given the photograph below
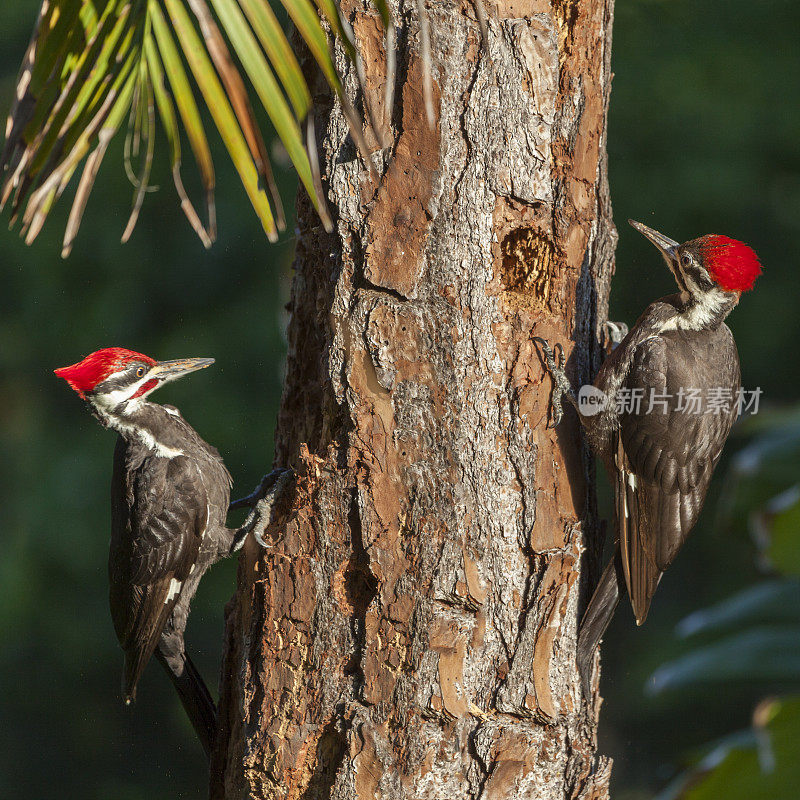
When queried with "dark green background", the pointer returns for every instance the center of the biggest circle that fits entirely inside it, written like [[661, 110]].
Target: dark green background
[[704, 137]]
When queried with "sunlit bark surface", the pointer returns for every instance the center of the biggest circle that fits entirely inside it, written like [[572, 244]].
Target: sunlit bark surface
[[411, 632]]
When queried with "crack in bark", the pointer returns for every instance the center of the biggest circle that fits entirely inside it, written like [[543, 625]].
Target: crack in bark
[[361, 587], [486, 769], [330, 753], [363, 284], [462, 118]]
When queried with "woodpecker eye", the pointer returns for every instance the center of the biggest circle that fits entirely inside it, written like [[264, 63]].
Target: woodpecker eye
[[686, 260], [140, 372]]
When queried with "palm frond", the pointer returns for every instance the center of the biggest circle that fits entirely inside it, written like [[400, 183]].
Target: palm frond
[[425, 55], [91, 64]]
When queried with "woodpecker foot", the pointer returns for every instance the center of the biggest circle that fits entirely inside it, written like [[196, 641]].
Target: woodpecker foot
[[561, 385], [266, 482], [263, 502], [613, 334]]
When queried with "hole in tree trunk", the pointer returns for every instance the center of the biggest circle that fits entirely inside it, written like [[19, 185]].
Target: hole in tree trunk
[[526, 260]]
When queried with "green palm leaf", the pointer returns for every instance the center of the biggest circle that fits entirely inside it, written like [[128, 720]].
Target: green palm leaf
[[93, 63]]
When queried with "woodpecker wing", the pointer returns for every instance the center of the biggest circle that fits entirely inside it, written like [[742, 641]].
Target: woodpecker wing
[[159, 524], [665, 453]]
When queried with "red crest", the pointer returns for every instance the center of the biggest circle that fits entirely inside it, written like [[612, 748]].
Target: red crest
[[733, 265], [95, 368]]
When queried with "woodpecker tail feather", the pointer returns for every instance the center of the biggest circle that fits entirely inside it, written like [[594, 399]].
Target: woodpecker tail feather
[[194, 695], [135, 662], [598, 614]]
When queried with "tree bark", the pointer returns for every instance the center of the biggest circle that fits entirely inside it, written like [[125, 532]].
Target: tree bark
[[411, 631]]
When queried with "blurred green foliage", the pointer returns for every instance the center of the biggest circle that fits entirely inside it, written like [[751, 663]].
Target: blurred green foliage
[[756, 764], [752, 637], [703, 137]]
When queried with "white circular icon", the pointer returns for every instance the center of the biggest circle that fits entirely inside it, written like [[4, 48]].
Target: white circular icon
[[591, 400]]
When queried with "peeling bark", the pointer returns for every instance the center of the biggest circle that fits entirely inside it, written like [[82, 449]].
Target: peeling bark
[[411, 631]]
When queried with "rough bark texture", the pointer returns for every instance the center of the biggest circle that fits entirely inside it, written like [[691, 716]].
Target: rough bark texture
[[411, 633]]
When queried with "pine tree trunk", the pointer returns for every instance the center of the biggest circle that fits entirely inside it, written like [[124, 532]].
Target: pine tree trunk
[[411, 631]]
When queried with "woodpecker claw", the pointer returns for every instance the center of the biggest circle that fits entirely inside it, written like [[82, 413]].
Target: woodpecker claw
[[613, 334], [561, 386], [262, 502], [266, 482]]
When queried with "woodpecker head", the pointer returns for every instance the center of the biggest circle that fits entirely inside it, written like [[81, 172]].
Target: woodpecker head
[[711, 272], [114, 381]]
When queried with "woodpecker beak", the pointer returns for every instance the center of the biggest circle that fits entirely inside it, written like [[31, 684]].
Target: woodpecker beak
[[165, 371], [666, 246]]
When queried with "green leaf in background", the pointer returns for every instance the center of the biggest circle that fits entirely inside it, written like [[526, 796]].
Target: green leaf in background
[[761, 764], [765, 467], [716, 753], [760, 654], [770, 602], [783, 544]]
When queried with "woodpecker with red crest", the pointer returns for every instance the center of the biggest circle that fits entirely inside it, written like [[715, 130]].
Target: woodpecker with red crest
[[169, 495], [660, 453]]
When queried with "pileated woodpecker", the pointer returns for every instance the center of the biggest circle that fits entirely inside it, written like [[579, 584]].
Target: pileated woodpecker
[[659, 449], [169, 498]]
